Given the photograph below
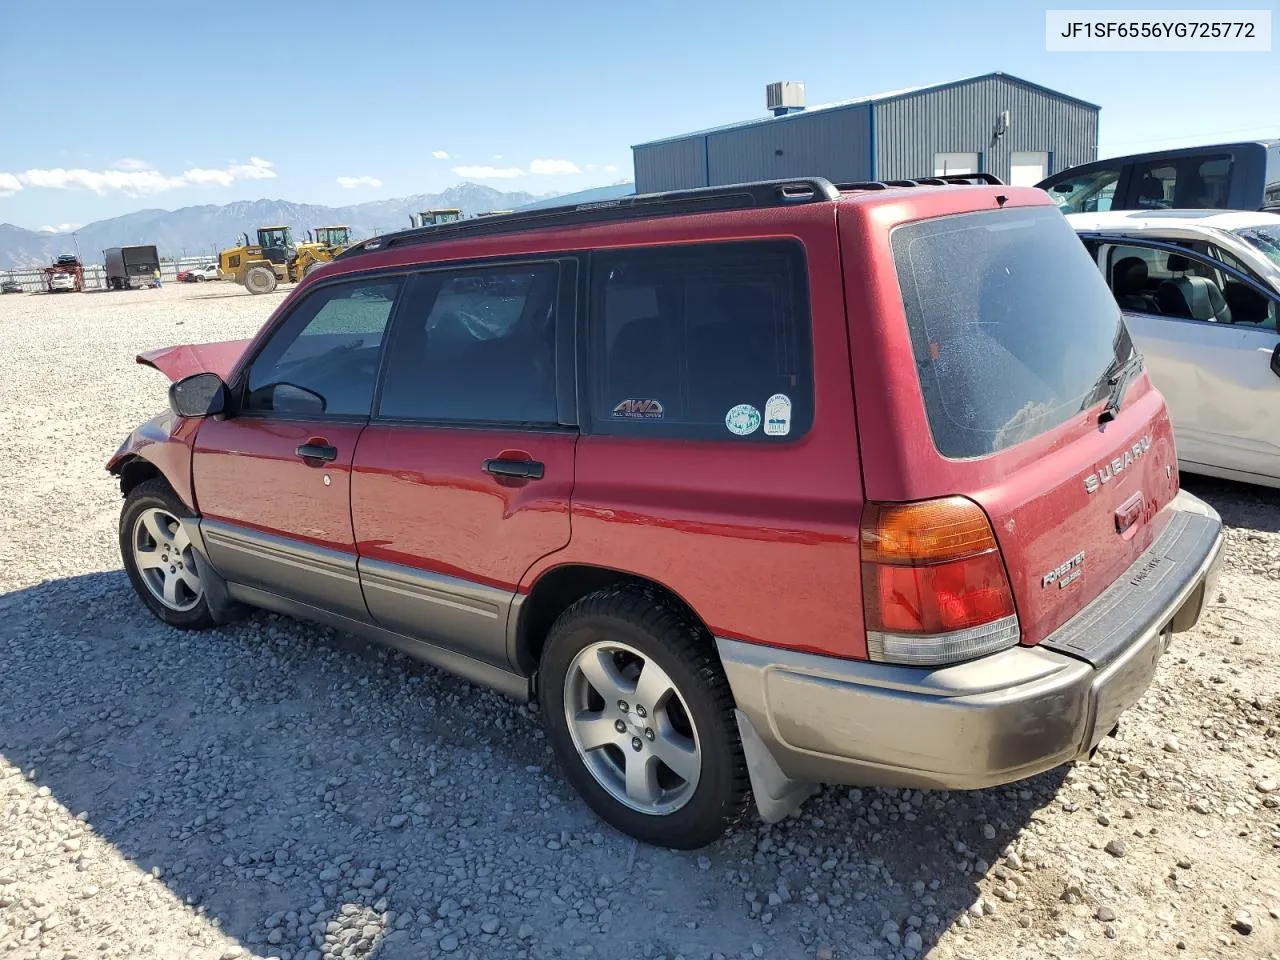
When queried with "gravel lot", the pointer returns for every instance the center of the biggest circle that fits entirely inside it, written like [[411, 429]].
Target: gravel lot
[[275, 789]]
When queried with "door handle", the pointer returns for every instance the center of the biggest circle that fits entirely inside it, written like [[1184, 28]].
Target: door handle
[[317, 451], [521, 469]]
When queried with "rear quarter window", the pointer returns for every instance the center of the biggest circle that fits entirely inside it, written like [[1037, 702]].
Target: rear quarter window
[[1012, 327], [702, 341]]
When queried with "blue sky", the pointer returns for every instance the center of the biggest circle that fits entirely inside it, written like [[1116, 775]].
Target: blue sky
[[349, 101]]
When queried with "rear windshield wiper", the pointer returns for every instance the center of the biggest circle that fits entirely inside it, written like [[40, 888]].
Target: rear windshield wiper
[[1119, 381]]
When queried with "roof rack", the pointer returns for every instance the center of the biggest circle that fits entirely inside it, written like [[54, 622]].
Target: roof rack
[[739, 196], [938, 181]]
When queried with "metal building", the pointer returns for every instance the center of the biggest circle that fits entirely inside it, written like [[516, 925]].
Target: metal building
[[995, 123]]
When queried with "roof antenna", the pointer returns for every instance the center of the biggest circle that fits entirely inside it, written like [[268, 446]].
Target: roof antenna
[[1001, 199]]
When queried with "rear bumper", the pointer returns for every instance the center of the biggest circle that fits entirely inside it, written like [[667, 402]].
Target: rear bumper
[[808, 719]]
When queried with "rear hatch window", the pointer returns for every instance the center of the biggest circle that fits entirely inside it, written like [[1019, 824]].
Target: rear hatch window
[[1012, 330]]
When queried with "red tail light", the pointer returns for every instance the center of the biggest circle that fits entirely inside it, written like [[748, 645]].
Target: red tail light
[[933, 583]]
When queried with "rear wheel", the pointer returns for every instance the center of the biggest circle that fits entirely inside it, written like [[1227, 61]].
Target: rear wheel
[[640, 715], [160, 558], [259, 279]]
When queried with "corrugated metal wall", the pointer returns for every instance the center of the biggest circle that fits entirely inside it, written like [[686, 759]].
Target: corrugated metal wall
[[671, 165], [960, 119], [909, 131], [830, 143]]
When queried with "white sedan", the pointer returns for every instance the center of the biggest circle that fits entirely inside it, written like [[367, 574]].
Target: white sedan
[[1200, 292]]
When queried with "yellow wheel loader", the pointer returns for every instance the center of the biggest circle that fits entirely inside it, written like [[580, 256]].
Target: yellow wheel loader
[[258, 267], [328, 242]]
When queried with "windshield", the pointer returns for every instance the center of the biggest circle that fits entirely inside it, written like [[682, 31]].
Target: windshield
[[1265, 238], [274, 238], [1087, 193], [1013, 328]]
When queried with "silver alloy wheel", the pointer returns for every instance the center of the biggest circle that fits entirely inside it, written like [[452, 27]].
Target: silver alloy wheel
[[632, 728], [163, 554]]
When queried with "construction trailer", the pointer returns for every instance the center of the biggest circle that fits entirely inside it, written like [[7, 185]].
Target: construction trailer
[[128, 268]]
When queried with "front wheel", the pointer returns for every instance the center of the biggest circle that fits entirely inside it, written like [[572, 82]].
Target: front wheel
[[640, 714], [160, 558], [259, 280]]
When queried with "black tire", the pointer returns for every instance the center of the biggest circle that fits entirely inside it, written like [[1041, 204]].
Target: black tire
[[149, 495], [662, 630], [260, 279]]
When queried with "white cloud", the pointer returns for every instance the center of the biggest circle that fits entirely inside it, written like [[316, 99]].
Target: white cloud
[[610, 168], [592, 166], [350, 183], [553, 167], [134, 182], [497, 156], [488, 173], [131, 163], [61, 228], [440, 154]]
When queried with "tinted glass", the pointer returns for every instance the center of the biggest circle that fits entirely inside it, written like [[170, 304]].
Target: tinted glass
[[329, 347], [1012, 326], [1201, 181], [476, 345], [1087, 193], [1155, 185], [707, 342]]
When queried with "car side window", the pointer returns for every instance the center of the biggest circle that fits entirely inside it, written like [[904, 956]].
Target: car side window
[[323, 361], [707, 341], [1183, 287], [1087, 193], [475, 345], [1197, 182]]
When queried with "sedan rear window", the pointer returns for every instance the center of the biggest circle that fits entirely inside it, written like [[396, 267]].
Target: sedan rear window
[[1012, 326]]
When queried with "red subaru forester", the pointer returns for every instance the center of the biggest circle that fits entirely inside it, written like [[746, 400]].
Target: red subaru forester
[[753, 487]]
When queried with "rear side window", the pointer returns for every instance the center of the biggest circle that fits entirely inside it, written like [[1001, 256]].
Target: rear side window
[[1012, 326], [702, 342]]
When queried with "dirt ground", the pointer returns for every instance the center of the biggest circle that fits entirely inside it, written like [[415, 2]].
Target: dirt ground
[[274, 789]]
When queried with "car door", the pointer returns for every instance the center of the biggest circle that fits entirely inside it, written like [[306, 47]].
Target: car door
[[272, 479], [1214, 371], [463, 478]]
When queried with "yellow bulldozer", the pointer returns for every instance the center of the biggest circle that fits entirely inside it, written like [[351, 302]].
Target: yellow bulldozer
[[275, 258], [429, 218]]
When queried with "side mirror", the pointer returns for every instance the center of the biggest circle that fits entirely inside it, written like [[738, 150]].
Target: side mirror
[[199, 395], [1275, 360]]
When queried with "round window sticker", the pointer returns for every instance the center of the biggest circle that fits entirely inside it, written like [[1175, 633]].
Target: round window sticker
[[742, 420]]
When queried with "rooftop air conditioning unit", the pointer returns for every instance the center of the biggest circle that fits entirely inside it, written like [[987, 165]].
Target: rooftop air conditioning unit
[[785, 96]]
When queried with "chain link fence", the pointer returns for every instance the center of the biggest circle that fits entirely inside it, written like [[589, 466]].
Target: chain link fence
[[95, 275]]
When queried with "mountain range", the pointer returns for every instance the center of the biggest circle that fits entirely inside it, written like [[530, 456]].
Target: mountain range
[[191, 231]]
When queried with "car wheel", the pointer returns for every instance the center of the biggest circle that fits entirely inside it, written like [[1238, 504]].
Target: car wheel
[[259, 280], [160, 558], [640, 714]]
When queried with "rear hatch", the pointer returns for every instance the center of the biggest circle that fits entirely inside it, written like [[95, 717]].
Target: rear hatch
[[999, 376]]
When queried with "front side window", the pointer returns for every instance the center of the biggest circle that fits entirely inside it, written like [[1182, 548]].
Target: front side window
[[1086, 193], [323, 360], [1183, 286], [1012, 327], [702, 341], [476, 346]]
